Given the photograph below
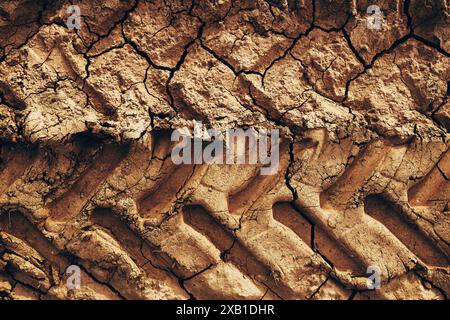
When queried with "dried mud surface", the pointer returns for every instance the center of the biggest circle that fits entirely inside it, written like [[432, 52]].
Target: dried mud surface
[[86, 177]]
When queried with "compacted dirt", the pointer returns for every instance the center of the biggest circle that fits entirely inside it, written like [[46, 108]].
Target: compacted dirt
[[86, 177]]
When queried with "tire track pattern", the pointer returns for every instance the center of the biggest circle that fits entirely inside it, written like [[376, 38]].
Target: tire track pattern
[[248, 236]]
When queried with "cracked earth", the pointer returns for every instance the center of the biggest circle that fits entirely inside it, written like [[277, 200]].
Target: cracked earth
[[86, 177]]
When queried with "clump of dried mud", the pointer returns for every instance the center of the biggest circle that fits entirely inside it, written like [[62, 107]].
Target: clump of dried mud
[[86, 177]]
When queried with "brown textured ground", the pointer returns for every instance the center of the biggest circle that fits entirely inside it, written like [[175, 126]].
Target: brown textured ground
[[85, 176]]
